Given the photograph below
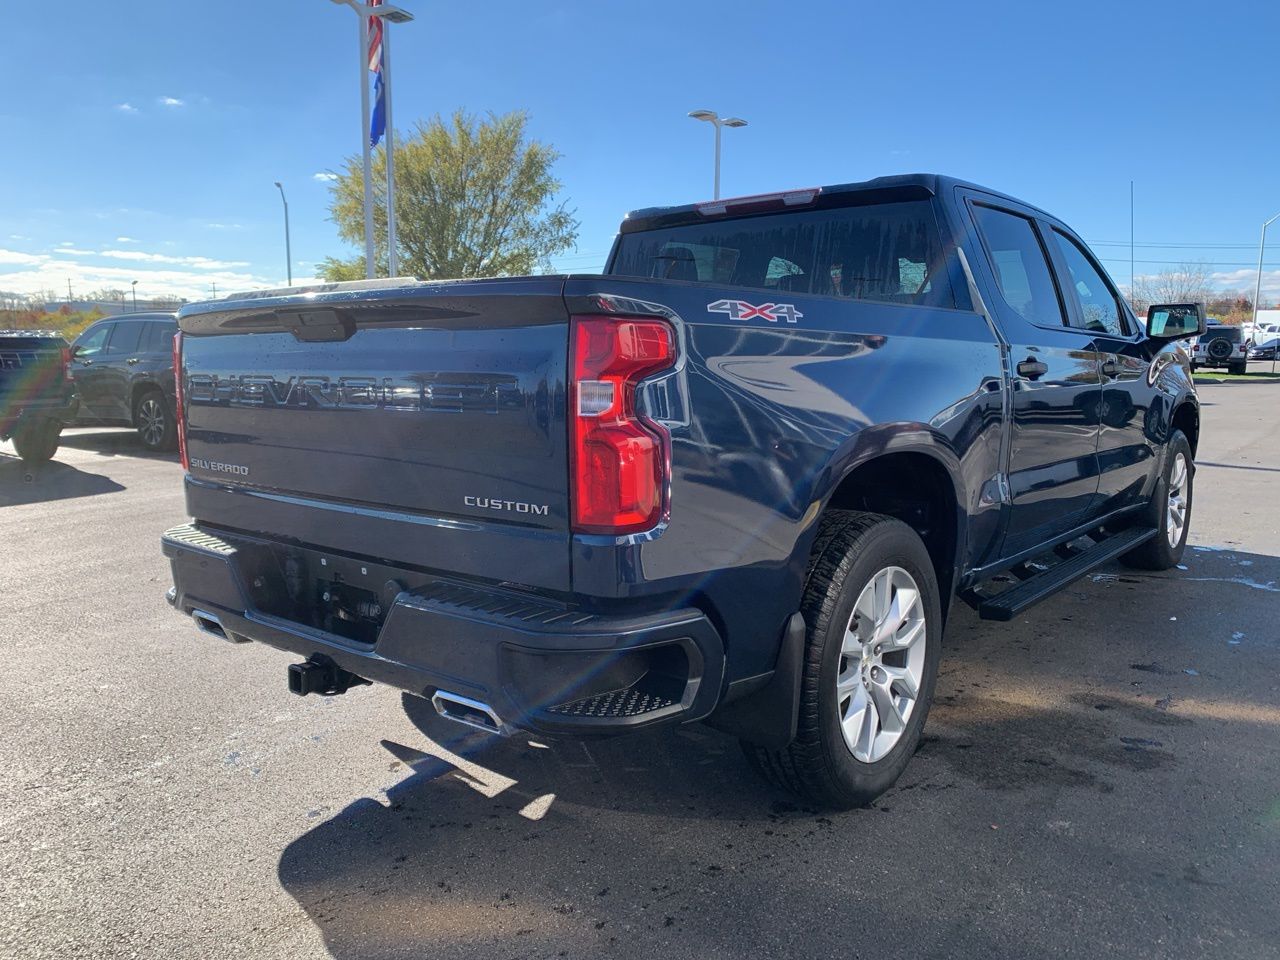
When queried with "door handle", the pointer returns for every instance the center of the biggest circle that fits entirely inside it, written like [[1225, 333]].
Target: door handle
[[131, 361], [1032, 369], [86, 363], [1110, 368]]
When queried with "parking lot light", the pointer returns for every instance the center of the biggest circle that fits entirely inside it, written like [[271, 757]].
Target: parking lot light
[[288, 254], [1257, 288], [713, 118]]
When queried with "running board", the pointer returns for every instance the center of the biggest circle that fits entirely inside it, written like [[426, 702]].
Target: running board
[[1009, 603]]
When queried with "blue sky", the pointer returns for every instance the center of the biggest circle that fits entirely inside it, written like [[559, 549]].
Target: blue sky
[[146, 148]]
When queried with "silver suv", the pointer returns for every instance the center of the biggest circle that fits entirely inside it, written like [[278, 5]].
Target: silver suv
[[1221, 346]]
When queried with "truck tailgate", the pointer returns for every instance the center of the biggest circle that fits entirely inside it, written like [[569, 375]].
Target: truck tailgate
[[419, 424]]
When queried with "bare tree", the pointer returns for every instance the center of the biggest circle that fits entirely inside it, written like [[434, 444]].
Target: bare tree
[[1185, 283]]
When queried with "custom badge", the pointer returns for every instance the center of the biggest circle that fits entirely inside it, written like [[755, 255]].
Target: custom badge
[[741, 310]]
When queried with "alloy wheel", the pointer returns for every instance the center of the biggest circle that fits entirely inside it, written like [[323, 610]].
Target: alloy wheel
[[881, 664], [151, 421], [1176, 519]]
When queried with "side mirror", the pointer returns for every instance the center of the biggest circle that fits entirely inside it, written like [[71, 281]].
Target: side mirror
[[1175, 321], [75, 350]]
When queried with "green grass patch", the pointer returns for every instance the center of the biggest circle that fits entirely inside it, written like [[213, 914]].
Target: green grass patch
[[1259, 376]]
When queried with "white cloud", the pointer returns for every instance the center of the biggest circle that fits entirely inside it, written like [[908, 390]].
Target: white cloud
[[224, 226], [67, 243], [202, 263], [172, 101], [18, 236], [17, 258], [325, 177], [126, 108], [73, 252], [125, 240]]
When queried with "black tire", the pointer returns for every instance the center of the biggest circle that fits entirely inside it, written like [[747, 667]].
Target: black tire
[[1239, 367], [1159, 553], [155, 422], [36, 438], [818, 765]]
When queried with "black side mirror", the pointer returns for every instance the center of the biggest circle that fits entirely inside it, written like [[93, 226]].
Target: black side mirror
[[75, 350], [1175, 321]]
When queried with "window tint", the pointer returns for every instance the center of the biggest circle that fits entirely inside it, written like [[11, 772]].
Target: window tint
[[1019, 263], [125, 339], [93, 341], [158, 337], [1099, 308], [889, 252]]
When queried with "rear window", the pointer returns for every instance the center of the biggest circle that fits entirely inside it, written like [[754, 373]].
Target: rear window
[[889, 252], [1227, 333]]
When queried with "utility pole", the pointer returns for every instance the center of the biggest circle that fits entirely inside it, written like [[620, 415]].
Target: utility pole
[[1131, 240]]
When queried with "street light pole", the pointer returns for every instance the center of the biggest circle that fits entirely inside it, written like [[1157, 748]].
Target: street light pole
[[710, 116], [288, 253], [135, 295], [1257, 288]]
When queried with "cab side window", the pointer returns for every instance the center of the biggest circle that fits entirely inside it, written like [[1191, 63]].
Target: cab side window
[[1099, 306], [1019, 263], [94, 341]]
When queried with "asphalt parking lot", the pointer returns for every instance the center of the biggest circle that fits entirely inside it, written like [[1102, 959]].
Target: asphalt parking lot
[[1100, 778]]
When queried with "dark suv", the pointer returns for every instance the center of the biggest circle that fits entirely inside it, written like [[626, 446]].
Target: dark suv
[[123, 369]]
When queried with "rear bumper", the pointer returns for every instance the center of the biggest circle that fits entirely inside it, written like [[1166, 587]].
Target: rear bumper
[[63, 409], [539, 665]]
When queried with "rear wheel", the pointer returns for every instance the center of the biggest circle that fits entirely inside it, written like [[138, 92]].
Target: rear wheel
[[36, 438], [873, 640], [1169, 510], [155, 421]]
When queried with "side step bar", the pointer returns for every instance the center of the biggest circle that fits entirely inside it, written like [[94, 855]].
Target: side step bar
[[1009, 603]]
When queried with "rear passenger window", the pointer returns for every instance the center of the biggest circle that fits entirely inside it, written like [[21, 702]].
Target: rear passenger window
[[1019, 263], [158, 338], [125, 338], [890, 252], [1099, 307]]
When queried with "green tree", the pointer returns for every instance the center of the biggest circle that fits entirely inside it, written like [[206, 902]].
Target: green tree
[[474, 198]]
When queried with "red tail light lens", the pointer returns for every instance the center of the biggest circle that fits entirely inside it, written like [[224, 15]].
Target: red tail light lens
[[619, 459], [179, 412], [66, 363]]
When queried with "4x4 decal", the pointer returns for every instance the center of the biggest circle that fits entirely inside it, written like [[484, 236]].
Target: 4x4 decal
[[741, 310]]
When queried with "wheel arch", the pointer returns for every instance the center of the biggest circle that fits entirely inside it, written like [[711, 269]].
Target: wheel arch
[[914, 476], [136, 392]]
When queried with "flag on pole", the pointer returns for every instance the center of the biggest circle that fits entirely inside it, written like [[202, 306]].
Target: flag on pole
[[378, 122]]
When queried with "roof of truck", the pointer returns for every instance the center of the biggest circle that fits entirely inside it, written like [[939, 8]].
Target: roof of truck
[[905, 186]]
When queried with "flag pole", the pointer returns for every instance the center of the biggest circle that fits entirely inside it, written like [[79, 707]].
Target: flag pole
[[369, 262], [393, 267]]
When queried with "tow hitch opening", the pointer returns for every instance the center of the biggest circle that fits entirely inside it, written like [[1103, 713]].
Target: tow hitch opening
[[317, 675]]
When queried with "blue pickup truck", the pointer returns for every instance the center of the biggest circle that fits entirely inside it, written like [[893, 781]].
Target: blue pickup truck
[[740, 477]]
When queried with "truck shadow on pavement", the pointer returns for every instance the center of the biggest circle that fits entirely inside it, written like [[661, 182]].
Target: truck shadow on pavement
[[22, 483], [112, 442], [665, 844]]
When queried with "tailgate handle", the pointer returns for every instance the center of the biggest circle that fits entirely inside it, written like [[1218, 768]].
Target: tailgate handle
[[317, 325]]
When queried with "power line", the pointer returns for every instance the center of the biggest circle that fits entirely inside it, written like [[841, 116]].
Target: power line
[[1178, 263]]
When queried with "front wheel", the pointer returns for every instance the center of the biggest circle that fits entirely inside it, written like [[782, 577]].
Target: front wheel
[[36, 439], [1169, 510], [873, 639]]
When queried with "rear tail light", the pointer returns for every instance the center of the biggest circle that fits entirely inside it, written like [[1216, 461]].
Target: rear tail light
[[178, 405], [619, 460], [66, 363]]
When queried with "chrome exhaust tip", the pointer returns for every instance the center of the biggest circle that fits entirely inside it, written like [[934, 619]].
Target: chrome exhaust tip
[[208, 623], [464, 710]]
